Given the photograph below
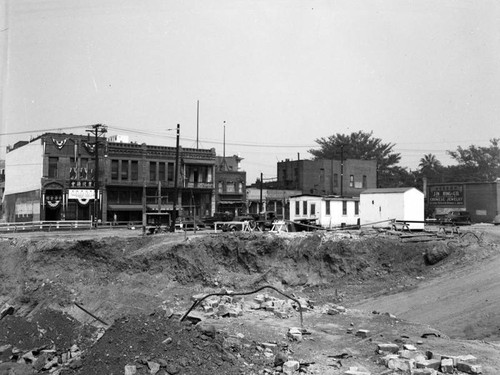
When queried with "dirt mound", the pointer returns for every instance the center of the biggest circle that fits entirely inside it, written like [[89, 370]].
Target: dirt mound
[[154, 341], [45, 329]]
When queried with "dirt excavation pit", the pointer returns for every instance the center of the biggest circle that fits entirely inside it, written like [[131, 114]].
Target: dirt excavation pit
[[106, 304]]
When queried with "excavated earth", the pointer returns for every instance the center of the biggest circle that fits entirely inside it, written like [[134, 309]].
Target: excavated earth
[[111, 302]]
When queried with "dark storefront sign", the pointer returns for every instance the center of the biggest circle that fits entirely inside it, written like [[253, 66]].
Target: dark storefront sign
[[446, 195], [81, 183]]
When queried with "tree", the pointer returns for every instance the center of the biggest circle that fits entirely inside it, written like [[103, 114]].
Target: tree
[[477, 163], [360, 145], [430, 167], [429, 162]]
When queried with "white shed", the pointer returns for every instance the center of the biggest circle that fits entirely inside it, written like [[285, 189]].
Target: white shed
[[325, 211], [379, 205]]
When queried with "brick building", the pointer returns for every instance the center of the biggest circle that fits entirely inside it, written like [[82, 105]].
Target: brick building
[[230, 185], [328, 177], [138, 171], [53, 177]]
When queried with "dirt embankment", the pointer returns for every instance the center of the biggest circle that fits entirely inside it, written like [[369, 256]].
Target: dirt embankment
[[116, 278], [61, 271]]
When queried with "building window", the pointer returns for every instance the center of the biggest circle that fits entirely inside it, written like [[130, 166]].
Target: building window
[[304, 208], [335, 180], [53, 161], [356, 208], [313, 209], [328, 207], [152, 171], [170, 171], [114, 170], [123, 197], [135, 196], [124, 170], [344, 208], [134, 170], [351, 181], [221, 187], [229, 187], [322, 176], [297, 208], [161, 174], [240, 188], [365, 184]]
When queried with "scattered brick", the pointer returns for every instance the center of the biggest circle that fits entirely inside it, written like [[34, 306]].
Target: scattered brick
[[447, 365], [289, 367], [388, 348], [363, 333]]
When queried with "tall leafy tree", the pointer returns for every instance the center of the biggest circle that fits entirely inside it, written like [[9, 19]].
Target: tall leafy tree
[[429, 162], [477, 163], [430, 167], [361, 145]]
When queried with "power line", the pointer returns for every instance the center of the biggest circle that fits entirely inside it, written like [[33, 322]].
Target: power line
[[241, 144], [44, 130]]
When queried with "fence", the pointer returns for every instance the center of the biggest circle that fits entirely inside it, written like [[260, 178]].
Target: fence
[[45, 225]]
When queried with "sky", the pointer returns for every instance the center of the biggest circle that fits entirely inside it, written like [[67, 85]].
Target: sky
[[270, 77]]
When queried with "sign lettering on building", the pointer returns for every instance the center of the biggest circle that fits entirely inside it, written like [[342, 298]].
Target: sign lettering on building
[[80, 183], [446, 195], [81, 194]]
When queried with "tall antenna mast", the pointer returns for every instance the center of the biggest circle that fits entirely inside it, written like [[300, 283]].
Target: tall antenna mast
[[197, 122]]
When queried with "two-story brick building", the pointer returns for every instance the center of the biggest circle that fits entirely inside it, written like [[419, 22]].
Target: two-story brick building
[[230, 185], [50, 177], [53, 177], [328, 177]]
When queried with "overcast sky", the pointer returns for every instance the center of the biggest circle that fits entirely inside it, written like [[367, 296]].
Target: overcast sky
[[423, 74]]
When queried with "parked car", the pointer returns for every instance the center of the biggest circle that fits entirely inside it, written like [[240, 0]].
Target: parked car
[[236, 224], [458, 217], [496, 220], [188, 223]]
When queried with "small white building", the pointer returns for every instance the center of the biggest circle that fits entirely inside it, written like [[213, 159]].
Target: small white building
[[378, 206], [325, 211]]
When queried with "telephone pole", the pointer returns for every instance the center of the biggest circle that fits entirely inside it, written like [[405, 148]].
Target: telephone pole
[[98, 130], [176, 174]]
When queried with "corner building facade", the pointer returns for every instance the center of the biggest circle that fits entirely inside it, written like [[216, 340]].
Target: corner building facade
[[53, 177]]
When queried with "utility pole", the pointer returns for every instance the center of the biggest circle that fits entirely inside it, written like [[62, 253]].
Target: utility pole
[[341, 170], [224, 163], [98, 130], [197, 122], [261, 186], [176, 173]]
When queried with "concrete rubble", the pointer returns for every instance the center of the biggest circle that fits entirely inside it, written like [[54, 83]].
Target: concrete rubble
[[234, 306], [408, 359], [43, 359]]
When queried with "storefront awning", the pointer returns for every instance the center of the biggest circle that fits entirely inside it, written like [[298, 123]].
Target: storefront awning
[[198, 161], [124, 207]]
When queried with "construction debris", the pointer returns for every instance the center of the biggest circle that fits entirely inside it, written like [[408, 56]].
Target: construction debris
[[409, 359]]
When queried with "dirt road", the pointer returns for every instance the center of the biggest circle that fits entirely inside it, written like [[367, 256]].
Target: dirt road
[[463, 301]]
